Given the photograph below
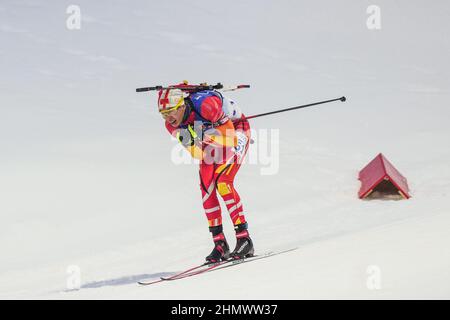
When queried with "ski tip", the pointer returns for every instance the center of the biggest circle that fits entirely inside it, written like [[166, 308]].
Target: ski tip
[[144, 283]]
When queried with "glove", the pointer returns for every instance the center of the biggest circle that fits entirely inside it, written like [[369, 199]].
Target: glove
[[188, 136]]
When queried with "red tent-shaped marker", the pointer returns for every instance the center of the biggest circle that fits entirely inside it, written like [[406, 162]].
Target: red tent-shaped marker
[[380, 175]]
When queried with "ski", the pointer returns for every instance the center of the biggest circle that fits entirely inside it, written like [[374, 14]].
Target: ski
[[197, 270], [228, 263], [187, 271], [254, 258]]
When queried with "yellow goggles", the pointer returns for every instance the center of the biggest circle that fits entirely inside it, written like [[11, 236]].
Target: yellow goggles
[[167, 111]]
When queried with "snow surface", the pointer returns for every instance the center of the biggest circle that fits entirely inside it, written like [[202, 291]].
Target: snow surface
[[86, 177]]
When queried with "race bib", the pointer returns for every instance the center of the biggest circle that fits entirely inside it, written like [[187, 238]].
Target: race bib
[[241, 144]]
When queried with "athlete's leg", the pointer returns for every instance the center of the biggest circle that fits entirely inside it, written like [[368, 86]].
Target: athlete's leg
[[211, 203], [231, 198], [213, 213], [226, 173]]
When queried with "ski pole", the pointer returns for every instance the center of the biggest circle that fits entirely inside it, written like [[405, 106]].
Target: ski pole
[[292, 108]]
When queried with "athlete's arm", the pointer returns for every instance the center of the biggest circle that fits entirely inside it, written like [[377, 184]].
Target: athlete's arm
[[188, 138]]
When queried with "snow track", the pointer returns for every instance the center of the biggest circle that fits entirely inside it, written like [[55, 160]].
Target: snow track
[[85, 162]]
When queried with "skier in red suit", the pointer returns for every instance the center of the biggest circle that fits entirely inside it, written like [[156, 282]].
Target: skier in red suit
[[212, 128]]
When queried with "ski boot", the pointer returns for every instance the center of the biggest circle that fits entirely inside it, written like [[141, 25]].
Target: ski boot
[[244, 245], [221, 249]]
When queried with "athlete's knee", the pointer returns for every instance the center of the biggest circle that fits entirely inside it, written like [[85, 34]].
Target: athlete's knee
[[225, 187]]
